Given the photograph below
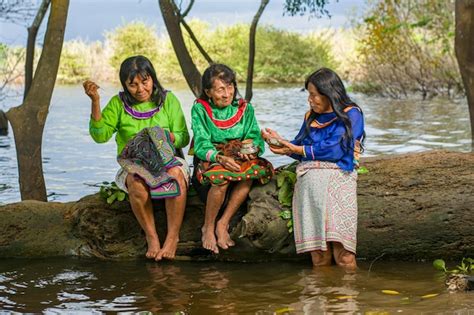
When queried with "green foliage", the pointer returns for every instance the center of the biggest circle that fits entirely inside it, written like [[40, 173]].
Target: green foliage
[[313, 7], [465, 267], [72, 68], [134, 38], [408, 47], [362, 170], [110, 192], [286, 179], [281, 56]]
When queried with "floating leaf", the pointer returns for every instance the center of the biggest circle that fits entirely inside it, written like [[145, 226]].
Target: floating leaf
[[427, 296], [390, 292], [439, 264], [284, 310], [345, 297]]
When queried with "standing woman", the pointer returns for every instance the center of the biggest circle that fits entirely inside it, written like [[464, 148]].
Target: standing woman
[[328, 146], [221, 123], [143, 104]]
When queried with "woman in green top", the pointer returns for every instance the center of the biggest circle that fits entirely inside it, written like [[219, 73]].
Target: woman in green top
[[221, 123], [142, 104]]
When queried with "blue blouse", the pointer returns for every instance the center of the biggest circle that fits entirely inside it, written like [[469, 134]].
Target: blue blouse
[[325, 143]]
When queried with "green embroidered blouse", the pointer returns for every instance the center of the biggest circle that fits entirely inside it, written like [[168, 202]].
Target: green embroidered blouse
[[206, 133], [116, 120]]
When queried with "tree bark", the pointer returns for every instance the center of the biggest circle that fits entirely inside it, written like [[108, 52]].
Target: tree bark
[[251, 61], [464, 46], [28, 119], [3, 123], [411, 207], [189, 69], [30, 45]]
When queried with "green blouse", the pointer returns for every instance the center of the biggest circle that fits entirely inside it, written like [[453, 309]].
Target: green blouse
[[116, 120], [206, 133]]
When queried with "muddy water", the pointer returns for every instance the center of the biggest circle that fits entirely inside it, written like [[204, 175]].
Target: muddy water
[[71, 285]]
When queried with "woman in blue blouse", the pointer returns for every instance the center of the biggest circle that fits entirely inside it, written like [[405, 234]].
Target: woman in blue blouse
[[328, 146]]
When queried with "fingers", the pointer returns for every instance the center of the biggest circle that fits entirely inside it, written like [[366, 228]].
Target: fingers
[[90, 88]]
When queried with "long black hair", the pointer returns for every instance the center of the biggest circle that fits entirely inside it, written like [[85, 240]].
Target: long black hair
[[328, 83], [221, 72], [140, 65]]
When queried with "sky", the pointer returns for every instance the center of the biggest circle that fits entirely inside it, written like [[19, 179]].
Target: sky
[[90, 19]]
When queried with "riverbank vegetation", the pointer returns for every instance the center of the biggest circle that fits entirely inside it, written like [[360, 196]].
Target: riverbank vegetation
[[395, 49]]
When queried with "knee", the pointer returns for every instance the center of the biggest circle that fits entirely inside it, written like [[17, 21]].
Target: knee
[[219, 190], [137, 189], [178, 175]]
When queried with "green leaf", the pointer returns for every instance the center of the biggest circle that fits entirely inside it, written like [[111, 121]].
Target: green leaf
[[111, 199], [285, 214], [285, 194], [362, 170], [120, 196], [439, 264]]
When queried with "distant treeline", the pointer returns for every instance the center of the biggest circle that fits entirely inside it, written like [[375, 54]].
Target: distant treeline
[[396, 49]]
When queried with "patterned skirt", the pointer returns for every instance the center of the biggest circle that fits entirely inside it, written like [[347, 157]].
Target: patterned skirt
[[324, 207], [160, 189], [215, 174]]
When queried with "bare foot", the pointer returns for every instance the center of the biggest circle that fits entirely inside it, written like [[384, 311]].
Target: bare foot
[[223, 238], [169, 249], [153, 246], [209, 240]]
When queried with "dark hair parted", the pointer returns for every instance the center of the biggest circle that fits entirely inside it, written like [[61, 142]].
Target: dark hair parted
[[328, 83], [221, 72], [140, 65]]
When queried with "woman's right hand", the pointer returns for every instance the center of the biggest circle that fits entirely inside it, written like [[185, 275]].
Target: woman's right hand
[[228, 163], [91, 89]]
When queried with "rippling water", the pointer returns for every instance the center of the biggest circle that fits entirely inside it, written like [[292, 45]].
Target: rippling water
[[72, 160], [72, 286]]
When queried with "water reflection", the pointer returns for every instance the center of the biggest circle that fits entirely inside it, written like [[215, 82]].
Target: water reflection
[[72, 160], [71, 285]]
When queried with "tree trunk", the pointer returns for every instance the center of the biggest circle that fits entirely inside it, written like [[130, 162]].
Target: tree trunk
[[464, 46], [28, 119], [3, 123], [252, 35], [189, 69], [411, 207], [30, 45]]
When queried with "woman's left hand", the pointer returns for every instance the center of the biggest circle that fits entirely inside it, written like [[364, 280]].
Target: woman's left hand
[[286, 148]]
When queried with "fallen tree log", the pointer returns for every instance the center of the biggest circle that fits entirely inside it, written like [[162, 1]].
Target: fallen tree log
[[411, 207]]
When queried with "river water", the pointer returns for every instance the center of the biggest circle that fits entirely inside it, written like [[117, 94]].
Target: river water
[[73, 163]]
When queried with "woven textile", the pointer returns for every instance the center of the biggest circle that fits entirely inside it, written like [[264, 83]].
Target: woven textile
[[324, 207], [149, 155]]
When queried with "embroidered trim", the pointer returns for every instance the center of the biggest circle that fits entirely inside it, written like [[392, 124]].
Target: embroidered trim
[[317, 124], [136, 114], [227, 123]]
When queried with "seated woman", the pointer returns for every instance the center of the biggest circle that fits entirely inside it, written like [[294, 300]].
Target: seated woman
[[328, 146], [144, 104], [227, 143]]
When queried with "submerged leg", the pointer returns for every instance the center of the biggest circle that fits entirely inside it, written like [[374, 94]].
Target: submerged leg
[[142, 207], [215, 199], [322, 257], [343, 257], [237, 197]]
